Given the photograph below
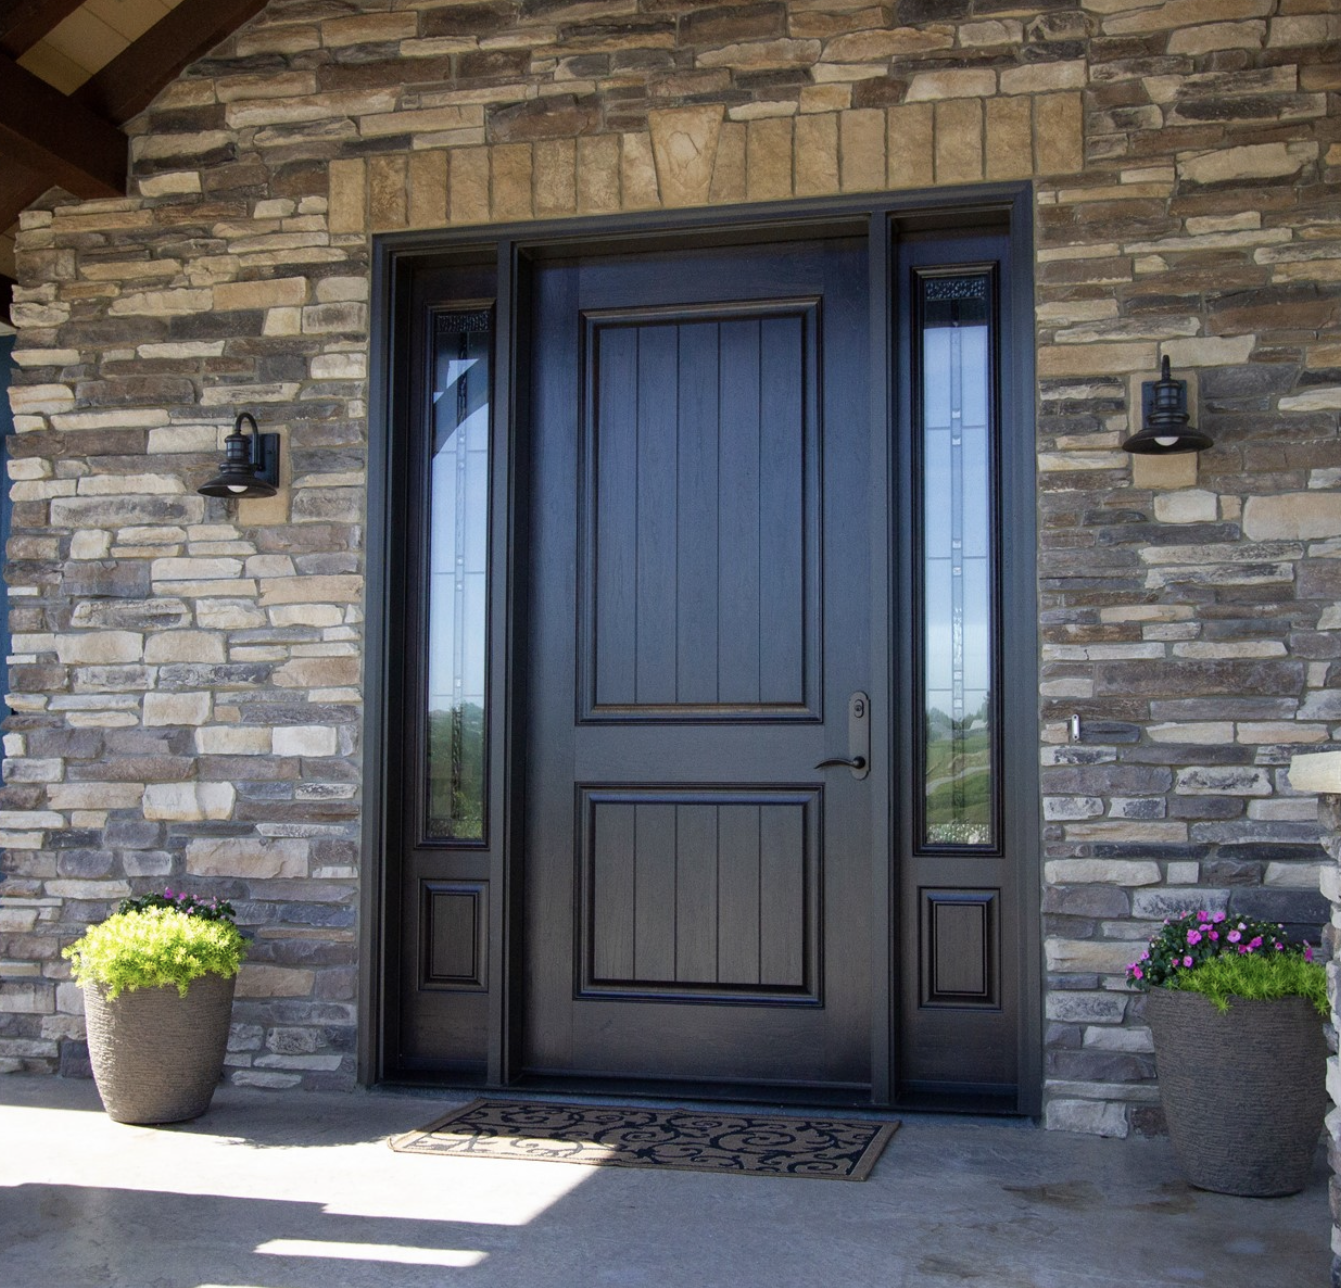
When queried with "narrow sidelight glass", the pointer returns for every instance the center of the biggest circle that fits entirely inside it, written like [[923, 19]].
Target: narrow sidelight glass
[[458, 575], [959, 772]]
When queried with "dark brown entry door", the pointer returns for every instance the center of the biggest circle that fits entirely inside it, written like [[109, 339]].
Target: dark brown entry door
[[697, 900]]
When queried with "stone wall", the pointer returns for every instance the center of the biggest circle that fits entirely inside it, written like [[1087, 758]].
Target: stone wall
[[187, 678]]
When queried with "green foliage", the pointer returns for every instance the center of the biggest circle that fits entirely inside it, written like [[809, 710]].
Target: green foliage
[[1256, 976], [151, 947], [1184, 943]]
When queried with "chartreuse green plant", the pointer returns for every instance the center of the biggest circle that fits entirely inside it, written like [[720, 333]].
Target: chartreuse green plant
[[154, 946], [1256, 976]]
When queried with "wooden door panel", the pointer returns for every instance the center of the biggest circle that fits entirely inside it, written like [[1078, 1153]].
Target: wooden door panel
[[700, 514], [702, 895]]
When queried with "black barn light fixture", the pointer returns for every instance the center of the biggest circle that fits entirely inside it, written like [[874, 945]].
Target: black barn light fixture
[[1164, 417], [251, 464]]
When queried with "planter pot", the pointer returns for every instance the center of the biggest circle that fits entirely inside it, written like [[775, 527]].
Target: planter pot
[[157, 1056], [1245, 1093]]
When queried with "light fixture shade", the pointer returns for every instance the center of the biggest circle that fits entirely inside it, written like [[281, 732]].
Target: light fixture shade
[[251, 464], [1164, 412]]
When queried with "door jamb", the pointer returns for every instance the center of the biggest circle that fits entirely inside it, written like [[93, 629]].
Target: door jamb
[[394, 256]]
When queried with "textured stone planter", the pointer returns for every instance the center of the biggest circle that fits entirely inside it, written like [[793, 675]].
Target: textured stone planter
[[157, 1056], [1244, 1093]]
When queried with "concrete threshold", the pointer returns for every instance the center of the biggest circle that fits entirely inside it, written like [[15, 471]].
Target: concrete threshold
[[294, 1190]]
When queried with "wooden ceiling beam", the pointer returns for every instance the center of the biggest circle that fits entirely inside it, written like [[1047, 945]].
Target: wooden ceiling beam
[[24, 22], [57, 138], [130, 82]]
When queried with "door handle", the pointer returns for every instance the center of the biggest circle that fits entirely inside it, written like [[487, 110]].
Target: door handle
[[858, 758]]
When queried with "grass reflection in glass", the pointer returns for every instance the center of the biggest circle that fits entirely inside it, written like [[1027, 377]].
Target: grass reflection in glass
[[456, 773], [959, 779]]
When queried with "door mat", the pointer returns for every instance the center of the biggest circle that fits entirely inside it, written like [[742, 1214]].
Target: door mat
[[687, 1139]]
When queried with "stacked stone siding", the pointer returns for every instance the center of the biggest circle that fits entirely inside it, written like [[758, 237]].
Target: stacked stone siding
[[187, 679]]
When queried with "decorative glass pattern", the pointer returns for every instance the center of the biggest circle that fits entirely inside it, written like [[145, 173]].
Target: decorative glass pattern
[[957, 564], [458, 575]]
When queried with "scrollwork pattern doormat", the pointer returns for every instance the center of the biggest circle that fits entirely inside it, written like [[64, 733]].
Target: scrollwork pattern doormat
[[689, 1139]]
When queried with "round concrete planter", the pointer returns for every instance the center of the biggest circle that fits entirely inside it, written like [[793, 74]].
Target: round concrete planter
[[157, 1056], [1244, 1093]]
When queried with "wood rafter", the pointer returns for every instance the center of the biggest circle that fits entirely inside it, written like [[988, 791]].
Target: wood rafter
[[24, 22], [57, 138], [128, 83]]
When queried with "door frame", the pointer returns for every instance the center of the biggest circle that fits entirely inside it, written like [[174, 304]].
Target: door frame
[[395, 258]]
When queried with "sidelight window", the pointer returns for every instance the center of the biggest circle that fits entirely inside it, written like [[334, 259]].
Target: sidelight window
[[458, 565], [957, 574]]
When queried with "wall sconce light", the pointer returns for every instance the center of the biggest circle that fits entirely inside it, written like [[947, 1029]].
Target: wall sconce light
[[1164, 419], [251, 464]]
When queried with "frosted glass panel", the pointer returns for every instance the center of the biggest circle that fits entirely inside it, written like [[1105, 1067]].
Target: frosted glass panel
[[957, 506], [458, 576]]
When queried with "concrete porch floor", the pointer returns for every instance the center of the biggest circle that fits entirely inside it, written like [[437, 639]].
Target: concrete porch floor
[[300, 1191]]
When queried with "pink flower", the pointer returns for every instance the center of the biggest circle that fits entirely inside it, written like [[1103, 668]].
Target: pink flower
[[1187, 961], [1256, 943], [1308, 952], [1201, 916], [1214, 934], [1234, 936], [1219, 917], [1137, 972], [1193, 937]]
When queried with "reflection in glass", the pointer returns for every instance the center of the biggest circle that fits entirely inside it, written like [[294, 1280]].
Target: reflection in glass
[[957, 559], [458, 573]]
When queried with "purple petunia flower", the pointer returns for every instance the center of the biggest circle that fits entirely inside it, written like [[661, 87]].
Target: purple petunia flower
[[1234, 936], [1187, 961]]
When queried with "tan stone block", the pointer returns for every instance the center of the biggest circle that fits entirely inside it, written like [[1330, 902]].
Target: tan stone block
[[638, 173], [1252, 161], [317, 672], [511, 166], [348, 197], [387, 205], [684, 147], [961, 82], [1043, 78], [99, 648], [455, 117], [959, 156], [162, 709], [426, 182], [189, 802], [825, 98], [1209, 37], [768, 159], [879, 45], [368, 29], [98, 796], [910, 140], [257, 858], [1096, 359], [1059, 134], [816, 143], [184, 646], [758, 55], [306, 740], [1168, 472], [177, 183], [862, 147], [1010, 147], [332, 588], [1296, 516], [274, 981], [554, 177], [1092, 956], [233, 740], [728, 174], [468, 186], [288, 39], [1184, 13], [598, 174], [273, 293]]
